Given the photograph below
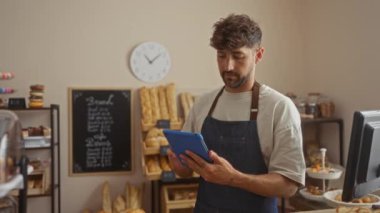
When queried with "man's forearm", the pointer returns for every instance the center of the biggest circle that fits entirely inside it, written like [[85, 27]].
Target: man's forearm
[[269, 185]]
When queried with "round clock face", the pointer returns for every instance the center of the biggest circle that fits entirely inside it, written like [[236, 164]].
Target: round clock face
[[150, 62]]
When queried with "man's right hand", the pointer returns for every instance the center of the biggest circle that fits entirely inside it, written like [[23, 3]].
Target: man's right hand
[[177, 166]]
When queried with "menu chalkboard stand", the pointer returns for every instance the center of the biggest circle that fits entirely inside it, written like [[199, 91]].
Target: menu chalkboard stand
[[100, 122]]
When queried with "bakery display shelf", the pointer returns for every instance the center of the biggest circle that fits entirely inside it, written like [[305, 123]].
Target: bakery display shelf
[[32, 109], [178, 196], [153, 176], [44, 144], [173, 125], [16, 182], [150, 150]]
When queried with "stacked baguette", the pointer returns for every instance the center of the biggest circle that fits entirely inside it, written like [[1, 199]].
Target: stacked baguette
[[130, 202], [158, 103], [187, 101]]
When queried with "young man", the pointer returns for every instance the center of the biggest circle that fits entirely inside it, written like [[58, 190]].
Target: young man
[[253, 132]]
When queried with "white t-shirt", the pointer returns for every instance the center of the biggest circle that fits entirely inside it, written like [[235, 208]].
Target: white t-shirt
[[278, 125]]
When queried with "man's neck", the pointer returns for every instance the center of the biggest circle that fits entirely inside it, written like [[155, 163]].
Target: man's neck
[[243, 88]]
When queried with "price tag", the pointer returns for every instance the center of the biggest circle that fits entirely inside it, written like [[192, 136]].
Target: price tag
[[164, 150], [16, 103], [168, 176], [163, 124]]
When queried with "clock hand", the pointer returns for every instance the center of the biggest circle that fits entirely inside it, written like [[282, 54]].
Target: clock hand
[[149, 61], [157, 56]]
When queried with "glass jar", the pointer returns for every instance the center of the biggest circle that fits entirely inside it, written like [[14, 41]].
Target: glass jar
[[312, 104], [301, 105]]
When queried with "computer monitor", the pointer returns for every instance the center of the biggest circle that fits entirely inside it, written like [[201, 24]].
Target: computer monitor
[[363, 160]]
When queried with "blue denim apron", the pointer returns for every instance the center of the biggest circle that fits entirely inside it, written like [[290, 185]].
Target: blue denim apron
[[238, 142]]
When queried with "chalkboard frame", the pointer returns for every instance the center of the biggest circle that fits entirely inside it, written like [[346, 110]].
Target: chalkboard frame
[[71, 91]]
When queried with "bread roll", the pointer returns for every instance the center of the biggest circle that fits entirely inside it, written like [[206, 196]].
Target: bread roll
[[118, 204], [156, 114], [153, 165], [164, 163], [162, 141], [152, 142], [154, 132], [163, 103], [107, 205], [146, 108], [172, 104]]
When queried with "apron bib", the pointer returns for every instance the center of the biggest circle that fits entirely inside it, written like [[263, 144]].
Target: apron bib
[[238, 143]]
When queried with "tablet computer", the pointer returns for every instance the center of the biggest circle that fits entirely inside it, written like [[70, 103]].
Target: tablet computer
[[181, 141]]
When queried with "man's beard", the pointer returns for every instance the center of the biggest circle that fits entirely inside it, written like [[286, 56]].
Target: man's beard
[[234, 80]]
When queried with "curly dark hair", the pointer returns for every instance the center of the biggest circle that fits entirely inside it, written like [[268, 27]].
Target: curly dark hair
[[235, 31]]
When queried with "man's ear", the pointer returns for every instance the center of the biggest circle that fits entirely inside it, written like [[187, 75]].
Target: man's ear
[[259, 54]]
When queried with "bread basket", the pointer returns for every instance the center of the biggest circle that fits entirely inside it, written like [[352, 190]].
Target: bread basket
[[10, 144]]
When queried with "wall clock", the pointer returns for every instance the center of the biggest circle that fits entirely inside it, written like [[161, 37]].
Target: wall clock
[[150, 62]]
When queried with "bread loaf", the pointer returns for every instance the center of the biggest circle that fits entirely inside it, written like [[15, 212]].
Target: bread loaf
[[107, 205], [172, 104], [164, 163], [152, 142], [133, 194], [184, 104], [156, 114], [154, 132], [146, 108], [163, 103], [153, 165]]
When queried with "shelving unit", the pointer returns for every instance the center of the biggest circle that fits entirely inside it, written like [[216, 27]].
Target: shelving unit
[[30, 116], [299, 202], [18, 182]]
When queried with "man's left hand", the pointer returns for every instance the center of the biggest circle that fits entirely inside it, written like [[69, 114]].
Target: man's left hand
[[219, 172]]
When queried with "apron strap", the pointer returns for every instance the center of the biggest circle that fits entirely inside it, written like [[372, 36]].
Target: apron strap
[[255, 100], [254, 103], [215, 101]]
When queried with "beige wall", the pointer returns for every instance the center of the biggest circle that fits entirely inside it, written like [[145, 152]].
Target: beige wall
[[326, 46], [342, 55]]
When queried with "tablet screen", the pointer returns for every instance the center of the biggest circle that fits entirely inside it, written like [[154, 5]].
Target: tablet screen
[[181, 141]]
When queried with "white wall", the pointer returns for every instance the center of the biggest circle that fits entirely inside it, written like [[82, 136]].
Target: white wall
[[70, 43]]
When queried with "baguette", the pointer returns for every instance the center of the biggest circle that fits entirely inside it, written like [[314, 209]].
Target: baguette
[[172, 104], [146, 108], [185, 104], [163, 103], [156, 114], [107, 205]]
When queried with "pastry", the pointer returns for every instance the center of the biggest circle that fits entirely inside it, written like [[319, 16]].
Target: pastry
[[6, 75], [164, 164], [153, 165], [154, 132], [152, 142], [36, 96], [37, 87], [162, 141]]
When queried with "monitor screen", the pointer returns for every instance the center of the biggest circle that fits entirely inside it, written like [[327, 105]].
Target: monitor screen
[[362, 159]]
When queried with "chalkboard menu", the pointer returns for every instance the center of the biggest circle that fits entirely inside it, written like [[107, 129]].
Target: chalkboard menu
[[100, 124]]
